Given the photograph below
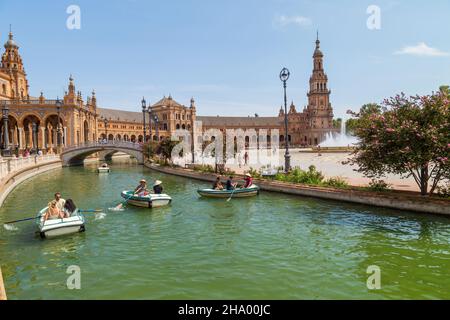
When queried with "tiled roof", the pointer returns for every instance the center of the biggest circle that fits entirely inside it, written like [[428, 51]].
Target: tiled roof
[[237, 121], [116, 115]]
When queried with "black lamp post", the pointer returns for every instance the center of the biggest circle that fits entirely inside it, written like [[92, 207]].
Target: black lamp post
[[144, 110], [150, 121], [157, 127], [105, 122], [284, 76], [5, 119], [58, 127]]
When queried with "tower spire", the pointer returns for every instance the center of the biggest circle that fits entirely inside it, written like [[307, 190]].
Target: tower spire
[[317, 40]]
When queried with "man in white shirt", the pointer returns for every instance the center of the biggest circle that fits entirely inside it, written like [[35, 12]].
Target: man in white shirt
[[60, 202]]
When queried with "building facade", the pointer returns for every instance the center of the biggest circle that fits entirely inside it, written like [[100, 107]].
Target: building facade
[[37, 123]]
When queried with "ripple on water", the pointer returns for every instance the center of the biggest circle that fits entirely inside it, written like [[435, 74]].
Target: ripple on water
[[269, 247]]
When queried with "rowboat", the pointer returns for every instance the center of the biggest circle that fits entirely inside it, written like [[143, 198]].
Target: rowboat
[[149, 201], [238, 193], [59, 227], [103, 169]]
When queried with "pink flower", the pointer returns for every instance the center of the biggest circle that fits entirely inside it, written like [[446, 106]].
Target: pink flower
[[390, 130]]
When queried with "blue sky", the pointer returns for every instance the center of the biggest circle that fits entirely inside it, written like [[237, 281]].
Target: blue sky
[[228, 54]]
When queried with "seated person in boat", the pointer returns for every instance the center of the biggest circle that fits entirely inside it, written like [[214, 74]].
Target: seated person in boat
[[141, 189], [248, 181], [69, 208], [157, 187], [53, 212], [230, 184], [60, 202], [218, 185]]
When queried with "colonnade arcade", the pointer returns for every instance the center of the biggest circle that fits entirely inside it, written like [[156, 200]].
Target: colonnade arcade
[[32, 132]]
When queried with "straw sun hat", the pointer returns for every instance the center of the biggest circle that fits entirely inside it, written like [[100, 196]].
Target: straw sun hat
[[158, 182]]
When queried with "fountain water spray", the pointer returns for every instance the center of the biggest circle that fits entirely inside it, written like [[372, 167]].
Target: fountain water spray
[[342, 139]]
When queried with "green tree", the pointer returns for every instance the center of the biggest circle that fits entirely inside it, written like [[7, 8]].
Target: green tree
[[165, 148], [405, 136], [150, 148], [337, 123]]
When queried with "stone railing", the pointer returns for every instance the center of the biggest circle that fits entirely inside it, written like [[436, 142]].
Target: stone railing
[[118, 144], [26, 102], [14, 164]]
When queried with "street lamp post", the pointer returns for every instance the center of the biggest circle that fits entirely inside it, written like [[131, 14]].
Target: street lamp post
[[284, 76], [150, 121], [5, 119], [144, 111], [157, 127], [58, 126], [105, 122]]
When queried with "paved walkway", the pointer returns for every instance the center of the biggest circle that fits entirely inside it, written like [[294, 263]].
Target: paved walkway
[[331, 166]]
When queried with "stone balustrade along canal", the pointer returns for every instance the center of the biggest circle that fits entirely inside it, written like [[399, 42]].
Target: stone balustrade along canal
[[401, 200], [14, 170]]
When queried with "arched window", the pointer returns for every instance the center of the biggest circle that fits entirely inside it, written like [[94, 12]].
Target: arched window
[[178, 127], [165, 126], [4, 89], [183, 127]]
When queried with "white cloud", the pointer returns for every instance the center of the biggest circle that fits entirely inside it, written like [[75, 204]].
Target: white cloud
[[283, 21], [423, 50]]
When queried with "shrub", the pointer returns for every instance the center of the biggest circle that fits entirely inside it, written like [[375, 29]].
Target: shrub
[[297, 175], [378, 186], [444, 191], [255, 173], [336, 182]]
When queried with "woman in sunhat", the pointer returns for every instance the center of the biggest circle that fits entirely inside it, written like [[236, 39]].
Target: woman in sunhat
[[248, 181], [157, 187], [141, 189]]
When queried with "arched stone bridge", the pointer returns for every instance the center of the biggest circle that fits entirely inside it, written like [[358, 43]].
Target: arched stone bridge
[[74, 155]]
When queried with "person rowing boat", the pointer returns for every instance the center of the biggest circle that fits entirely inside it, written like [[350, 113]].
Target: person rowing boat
[[248, 181], [141, 189]]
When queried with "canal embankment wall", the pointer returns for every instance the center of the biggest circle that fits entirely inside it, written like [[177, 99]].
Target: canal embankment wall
[[401, 200], [14, 171]]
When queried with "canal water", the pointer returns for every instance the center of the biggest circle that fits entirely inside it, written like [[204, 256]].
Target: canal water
[[273, 246]]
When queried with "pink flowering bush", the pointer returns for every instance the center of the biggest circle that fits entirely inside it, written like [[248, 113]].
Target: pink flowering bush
[[409, 136]]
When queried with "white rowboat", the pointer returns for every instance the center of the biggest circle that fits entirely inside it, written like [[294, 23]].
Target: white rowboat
[[149, 201], [59, 227]]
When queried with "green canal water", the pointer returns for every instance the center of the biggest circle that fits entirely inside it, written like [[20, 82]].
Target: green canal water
[[272, 246]]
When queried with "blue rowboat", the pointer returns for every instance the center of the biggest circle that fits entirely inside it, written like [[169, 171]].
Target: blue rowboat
[[238, 193], [149, 201]]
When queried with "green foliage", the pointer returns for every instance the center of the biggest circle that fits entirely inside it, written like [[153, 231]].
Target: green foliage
[[337, 123], [150, 148], [444, 191], [297, 175], [255, 173], [165, 148], [378, 186], [336, 182], [407, 137]]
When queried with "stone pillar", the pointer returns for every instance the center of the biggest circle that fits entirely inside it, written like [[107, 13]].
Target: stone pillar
[[65, 137], [34, 135], [21, 137], [5, 132], [30, 136], [43, 139]]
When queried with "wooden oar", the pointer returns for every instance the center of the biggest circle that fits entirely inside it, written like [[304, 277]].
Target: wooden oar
[[120, 205], [37, 217], [229, 199]]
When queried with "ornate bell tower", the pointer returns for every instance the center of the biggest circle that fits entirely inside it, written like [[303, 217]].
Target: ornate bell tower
[[12, 65], [319, 110]]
